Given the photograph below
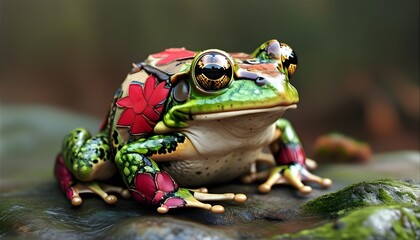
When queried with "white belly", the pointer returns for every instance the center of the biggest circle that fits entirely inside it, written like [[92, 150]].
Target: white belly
[[226, 149], [211, 169]]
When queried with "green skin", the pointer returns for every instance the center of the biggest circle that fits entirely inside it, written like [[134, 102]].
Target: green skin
[[85, 155]]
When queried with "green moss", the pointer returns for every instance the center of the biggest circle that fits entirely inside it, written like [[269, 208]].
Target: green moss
[[362, 194], [384, 196], [377, 222]]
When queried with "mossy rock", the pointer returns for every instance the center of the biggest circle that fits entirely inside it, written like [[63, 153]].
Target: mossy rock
[[375, 222], [364, 194], [382, 209]]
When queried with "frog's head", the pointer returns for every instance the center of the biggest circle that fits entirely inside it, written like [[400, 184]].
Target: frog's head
[[217, 85]]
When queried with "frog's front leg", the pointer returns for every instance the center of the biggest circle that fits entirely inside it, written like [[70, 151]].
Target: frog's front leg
[[292, 165], [149, 185], [83, 160]]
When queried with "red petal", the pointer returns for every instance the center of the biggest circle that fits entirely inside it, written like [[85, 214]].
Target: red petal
[[159, 109], [135, 92], [138, 197], [158, 197], [70, 193], [149, 87], [140, 126], [151, 114], [126, 118], [140, 106], [165, 182], [145, 184], [159, 95], [171, 54], [174, 202], [125, 102]]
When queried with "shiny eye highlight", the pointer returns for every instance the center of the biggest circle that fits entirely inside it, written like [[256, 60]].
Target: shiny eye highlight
[[212, 71], [288, 59]]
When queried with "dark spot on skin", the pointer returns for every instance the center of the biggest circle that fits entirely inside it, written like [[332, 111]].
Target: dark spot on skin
[[240, 159], [217, 160], [198, 173], [207, 168], [101, 153], [115, 137], [226, 160], [95, 161], [208, 174]]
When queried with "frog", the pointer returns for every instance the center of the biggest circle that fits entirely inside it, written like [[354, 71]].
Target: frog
[[184, 120]]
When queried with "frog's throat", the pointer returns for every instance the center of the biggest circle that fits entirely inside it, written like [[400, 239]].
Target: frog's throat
[[222, 115]]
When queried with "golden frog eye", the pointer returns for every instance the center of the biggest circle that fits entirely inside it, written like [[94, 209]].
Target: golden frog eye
[[288, 59], [212, 71]]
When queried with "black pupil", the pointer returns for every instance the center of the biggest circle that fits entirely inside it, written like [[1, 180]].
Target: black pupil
[[213, 71]]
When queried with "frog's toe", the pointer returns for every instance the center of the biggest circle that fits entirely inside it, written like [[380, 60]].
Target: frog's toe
[[264, 188], [212, 208], [111, 199], [125, 193], [326, 183], [217, 209], [220, 196], [200, 190], [305, 189], [76, 201], [307, 176], [240, 197]]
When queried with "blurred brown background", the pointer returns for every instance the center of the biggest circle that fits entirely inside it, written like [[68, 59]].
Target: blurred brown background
[[358, 69]]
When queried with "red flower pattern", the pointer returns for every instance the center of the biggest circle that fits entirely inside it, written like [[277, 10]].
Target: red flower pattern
[[143, 106], [172, 54], [152, 189]]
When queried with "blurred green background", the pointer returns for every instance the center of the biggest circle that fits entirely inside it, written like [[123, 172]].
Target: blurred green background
[[358, 70]]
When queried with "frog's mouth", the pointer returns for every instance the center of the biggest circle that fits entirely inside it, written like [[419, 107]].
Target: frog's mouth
[[231, 114]]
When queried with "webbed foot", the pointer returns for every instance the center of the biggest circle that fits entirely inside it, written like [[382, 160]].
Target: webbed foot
[[293, 174], [99, 189], [195, 198], [73, 188], [160, 189]]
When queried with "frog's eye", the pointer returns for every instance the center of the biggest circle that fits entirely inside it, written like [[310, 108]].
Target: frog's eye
[[288, 59], [212, 70], [284, 56]]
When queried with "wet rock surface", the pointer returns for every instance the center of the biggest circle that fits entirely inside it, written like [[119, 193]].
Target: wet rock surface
[[31, 205]]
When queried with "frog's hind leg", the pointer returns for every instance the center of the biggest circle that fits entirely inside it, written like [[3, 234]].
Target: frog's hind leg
[[72, 187], [292, 164], [84, 161]]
